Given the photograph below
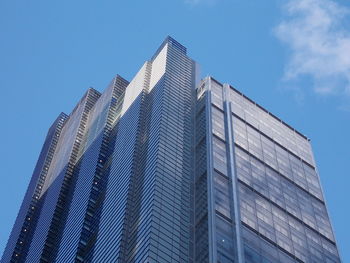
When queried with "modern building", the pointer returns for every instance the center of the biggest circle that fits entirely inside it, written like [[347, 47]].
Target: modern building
[[167, 168]]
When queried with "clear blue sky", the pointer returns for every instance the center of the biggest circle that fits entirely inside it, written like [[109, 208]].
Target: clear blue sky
[[291, 56]]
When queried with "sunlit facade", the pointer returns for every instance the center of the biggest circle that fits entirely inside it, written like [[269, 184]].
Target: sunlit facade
[[167, 168]]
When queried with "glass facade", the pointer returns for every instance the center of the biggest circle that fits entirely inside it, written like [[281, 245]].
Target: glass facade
[[160, 169], [263, 170]]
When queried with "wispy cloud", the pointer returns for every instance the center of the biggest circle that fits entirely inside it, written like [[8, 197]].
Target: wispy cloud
[[315, 32], [193, 2], [197, 2]]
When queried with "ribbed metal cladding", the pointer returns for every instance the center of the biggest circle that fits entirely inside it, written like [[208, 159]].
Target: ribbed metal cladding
[[92, 213], [46, 237], [112, 218], [61, 210], [81, 225], [18, 244], [152, 218]]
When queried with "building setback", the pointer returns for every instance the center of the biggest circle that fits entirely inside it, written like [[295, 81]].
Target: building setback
[[166, 168]]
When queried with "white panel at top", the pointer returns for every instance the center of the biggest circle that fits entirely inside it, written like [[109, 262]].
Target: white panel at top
[[158, 67], [134, 88]]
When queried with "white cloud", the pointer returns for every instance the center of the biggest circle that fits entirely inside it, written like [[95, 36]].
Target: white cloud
[[319, 43]]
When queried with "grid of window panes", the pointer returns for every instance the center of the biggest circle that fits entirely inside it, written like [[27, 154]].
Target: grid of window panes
[[271, 126], [221, 179], [283, 213], [201, 193]]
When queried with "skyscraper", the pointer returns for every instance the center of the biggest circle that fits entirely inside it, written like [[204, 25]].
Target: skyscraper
[[167, 168]]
